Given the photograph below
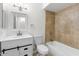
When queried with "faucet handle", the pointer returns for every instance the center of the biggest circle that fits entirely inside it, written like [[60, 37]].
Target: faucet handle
[[19, 33]]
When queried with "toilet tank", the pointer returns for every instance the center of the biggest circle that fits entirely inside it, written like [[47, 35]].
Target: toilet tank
[[38, 40]]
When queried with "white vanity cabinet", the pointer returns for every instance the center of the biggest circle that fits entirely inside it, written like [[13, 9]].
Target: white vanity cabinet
[[17, 47]]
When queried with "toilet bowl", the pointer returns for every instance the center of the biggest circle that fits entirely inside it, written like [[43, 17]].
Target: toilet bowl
[[42, 49]]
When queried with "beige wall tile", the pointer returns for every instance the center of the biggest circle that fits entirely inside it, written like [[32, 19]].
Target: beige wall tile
[[50, 26], [67, 26]]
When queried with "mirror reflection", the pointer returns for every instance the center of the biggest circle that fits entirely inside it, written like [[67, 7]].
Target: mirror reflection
[[14, 18], [20, 21]]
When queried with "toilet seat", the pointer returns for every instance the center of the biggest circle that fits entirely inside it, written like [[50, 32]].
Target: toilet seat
[[42, 49]]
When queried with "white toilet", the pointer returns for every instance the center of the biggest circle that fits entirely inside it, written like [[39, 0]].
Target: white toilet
[[41, 47]]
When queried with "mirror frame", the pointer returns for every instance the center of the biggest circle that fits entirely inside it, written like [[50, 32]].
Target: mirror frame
[[15, 15]]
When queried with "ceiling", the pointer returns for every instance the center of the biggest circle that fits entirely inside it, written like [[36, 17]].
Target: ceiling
[[55, 7]]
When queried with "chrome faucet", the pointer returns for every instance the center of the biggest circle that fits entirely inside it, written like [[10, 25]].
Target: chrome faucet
[[19, 33]]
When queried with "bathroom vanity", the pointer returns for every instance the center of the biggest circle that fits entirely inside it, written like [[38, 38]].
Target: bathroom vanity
[[10, 43], [16, 46]]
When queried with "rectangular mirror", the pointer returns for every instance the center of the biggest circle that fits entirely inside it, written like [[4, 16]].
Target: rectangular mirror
[[13, 18], [20, 21]]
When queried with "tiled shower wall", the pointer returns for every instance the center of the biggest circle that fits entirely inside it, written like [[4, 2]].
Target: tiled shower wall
[[50, 26], [67, 26]]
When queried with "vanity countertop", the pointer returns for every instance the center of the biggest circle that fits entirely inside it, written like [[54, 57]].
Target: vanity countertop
[[7, 38]]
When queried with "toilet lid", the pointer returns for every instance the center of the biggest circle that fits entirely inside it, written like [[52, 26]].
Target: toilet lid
[[42, 48]]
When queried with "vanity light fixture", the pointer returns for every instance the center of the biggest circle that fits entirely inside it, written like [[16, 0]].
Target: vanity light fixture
[[19, 7]]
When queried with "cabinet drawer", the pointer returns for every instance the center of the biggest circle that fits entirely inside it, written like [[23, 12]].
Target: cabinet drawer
[[26, 50]]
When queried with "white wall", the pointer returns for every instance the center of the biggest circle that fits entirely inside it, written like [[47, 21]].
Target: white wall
[[1, 15], [36, 20], [36, 17]]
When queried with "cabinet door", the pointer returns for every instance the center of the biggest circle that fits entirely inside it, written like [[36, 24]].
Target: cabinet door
[[12, 52]]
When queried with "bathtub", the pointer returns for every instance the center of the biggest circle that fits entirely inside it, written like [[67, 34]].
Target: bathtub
[[59, 49]]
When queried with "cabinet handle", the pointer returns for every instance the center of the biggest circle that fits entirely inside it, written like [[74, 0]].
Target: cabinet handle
[[25, 48], [3, 51], [17, 47]]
